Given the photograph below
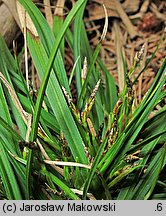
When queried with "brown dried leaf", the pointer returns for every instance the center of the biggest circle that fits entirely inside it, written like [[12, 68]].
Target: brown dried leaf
[[25, 20], [125, 19], [11, 4], [25, 116], [119, 50], [59, 8], [96, 11], [48, 12]]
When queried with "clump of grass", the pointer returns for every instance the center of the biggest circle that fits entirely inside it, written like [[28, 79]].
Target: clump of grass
[[100, 147]]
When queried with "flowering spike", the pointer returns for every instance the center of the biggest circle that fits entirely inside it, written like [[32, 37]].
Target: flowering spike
[[91, 128], [95, 89], [71, 104], [139, 55], [69, 99], [84, 70], [90, 102]]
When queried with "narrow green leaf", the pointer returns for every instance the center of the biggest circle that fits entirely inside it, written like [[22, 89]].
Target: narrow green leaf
[[94, 167], [28, 174], [54, 92], [64, 187], [8, 176]]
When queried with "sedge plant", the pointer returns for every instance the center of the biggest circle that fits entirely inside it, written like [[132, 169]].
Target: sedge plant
[[100, 146]]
